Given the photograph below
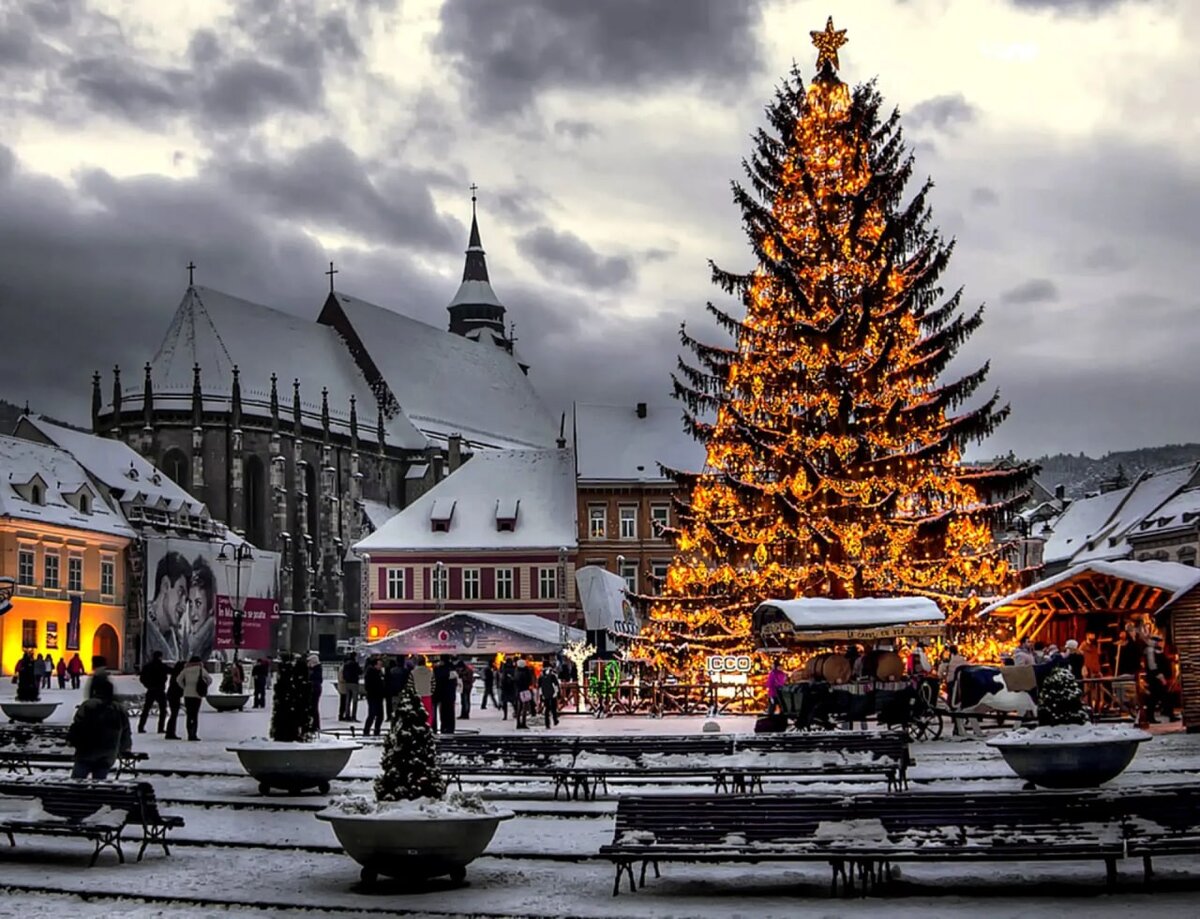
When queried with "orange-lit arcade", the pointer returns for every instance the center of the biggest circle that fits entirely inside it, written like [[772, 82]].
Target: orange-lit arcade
[[62, 560]]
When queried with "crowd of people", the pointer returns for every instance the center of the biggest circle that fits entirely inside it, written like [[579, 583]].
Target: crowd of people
[[44, 669], [446, 685]]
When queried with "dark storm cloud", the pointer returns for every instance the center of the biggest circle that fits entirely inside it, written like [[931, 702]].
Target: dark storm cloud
[[509, 52], [942, 113], [575, 129], [118, 86], [1035, 290], [326, 183], [560, 253], [247, 91]]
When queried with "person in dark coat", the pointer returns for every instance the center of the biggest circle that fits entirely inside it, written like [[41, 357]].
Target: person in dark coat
[[259, 674], [154, 677], [395, 681], [317, 678], [445, 694], [508, 688], [351, 674], [549, 687], [375, 684], [524, 686], [28, 684], [466, 679], [75, 669], [489, 684], [99, 733], [174, 700]]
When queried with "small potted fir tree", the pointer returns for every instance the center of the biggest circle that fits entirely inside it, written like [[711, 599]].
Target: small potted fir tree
[[230, 697], [295, 758], [412, 829], [28, 707], [1065, 750]]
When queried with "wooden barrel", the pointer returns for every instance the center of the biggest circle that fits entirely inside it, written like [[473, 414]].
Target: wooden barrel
[[830, 668], [882, 665]]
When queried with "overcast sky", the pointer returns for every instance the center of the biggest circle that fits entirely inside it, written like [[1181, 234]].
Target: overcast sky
[[263, 138]]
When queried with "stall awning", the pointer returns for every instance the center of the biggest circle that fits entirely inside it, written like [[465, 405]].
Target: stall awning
[[605, 600], [476, 633], [861, 619], [1101, 587]]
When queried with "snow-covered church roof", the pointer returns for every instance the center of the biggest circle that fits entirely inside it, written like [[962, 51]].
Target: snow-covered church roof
[[448, 384], [627, 442], [219, 331], [535, 489]]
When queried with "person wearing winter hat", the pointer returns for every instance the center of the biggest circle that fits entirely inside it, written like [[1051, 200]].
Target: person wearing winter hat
[[1074, 658]]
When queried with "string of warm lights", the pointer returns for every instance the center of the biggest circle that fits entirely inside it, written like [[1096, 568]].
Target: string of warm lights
[[834, 454]]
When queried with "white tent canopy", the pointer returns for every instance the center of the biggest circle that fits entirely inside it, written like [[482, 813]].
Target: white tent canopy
[[475, 633], [820, 614]]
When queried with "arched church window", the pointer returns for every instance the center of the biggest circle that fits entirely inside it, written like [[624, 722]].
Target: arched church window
[[175, 465], [255, 501], [310, 486]]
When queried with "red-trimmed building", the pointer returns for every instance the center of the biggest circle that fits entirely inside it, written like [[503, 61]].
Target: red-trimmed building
[[499, 536]]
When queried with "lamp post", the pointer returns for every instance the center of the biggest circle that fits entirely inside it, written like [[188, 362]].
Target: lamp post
[[439, 586], [233, 557], [562, 596]]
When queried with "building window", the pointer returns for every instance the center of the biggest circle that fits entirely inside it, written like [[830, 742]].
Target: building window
[[25, 568], [659, 571], [50, 571], [175, 465], [75, 574], [440, 583], [85, 504], [470, 583], [629, 571], [597, 522], [35, 497], [255, 501], [628, 521], [395, 584], [547, 583], [504, 583], [660, 518], [29, 633], [108, 577]]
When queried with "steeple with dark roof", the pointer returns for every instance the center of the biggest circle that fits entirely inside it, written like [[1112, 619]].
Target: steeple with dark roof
[[476, 312]]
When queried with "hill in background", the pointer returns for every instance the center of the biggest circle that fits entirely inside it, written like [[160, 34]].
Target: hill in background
[[1081, 474]]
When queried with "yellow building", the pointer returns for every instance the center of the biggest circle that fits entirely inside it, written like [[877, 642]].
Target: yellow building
[[65, 548]]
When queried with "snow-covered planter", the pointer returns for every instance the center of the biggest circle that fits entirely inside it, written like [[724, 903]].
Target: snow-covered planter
[[294, 766], [294, 759], [1072, 755], [28, 712], [411, 830], [420, 839], [228, 701]]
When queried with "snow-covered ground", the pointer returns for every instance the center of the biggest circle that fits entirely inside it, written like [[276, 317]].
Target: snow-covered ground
[[243, 854]]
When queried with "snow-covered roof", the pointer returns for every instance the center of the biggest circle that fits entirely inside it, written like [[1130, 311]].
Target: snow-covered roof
[[378, 513], [447, 384], [542, 480], [218, 331], [118, 467], [615, 443], [1183, 510], [1094, 529], [821, 613], [473, 292], [58, 475], [1168, 576]]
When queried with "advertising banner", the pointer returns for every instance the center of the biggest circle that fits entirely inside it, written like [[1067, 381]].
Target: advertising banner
[[606, 605], [258, 624], [73, 622], [185, 580], [52, 636]]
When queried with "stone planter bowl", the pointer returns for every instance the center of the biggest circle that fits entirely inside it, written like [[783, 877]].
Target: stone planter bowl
[[414, 848], [1069, 765], [28, 712], [228, 702], [294, 767]]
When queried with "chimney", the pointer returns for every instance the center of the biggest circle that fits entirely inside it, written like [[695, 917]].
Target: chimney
[[641, 409], [1060, 493], [454, 451]]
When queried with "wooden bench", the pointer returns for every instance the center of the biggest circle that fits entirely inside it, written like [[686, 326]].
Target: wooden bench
[[859, 837], [23, 746], [1161, 822], [69, 808]]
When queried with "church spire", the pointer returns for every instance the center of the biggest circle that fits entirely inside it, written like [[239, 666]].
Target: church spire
[[476, 312]]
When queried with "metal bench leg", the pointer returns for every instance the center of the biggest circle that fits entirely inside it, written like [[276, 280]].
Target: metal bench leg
[[108, 841], [1110, 869], [627, 869], [1147, 869]]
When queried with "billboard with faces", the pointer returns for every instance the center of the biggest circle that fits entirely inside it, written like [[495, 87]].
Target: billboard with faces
[[189, 591]]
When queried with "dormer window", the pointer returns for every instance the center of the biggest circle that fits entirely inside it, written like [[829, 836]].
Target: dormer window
[[35, 494], [131, 473], [506, 514], [85, 503], [440, 515]]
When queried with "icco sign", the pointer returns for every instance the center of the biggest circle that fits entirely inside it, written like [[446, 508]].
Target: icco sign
[[728, 663]]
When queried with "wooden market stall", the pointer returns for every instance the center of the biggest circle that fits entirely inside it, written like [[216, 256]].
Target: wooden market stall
[[1096, 598]]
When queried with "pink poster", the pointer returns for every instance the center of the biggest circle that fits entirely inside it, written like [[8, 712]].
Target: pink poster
[[258, 625]]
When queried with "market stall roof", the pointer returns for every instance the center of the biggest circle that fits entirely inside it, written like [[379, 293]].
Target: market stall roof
[[474, 633], [864, 618], [1112, 587]]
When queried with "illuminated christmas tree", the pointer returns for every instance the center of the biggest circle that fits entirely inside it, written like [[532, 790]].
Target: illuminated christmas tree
[[833, 450]]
